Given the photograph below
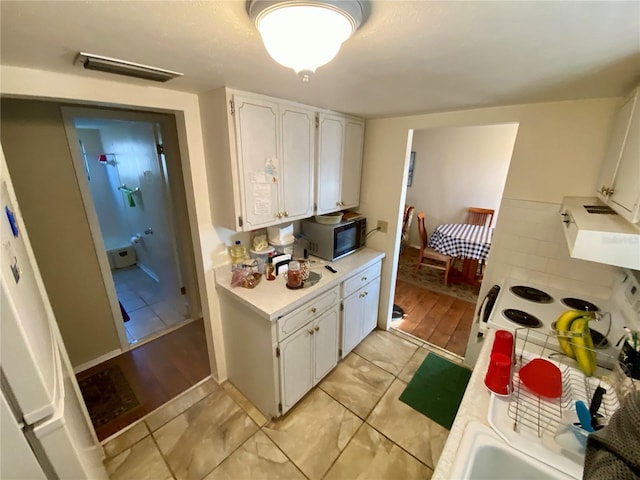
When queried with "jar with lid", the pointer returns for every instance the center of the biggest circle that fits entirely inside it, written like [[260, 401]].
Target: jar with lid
[[294, 275]]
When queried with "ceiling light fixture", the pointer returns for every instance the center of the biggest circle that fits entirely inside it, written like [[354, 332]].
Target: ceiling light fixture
[[305, 34], [91, 61]]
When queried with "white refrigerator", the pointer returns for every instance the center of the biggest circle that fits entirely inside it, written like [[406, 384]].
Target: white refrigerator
[[45, 427]]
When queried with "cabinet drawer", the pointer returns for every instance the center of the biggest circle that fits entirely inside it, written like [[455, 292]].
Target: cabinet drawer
[[360, 279], [307, 312]]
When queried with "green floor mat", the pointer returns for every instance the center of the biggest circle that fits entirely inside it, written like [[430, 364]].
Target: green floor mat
[[436, 389]]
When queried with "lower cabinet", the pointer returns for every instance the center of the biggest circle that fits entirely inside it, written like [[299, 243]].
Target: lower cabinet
[[359, 315], [307, 356], [275, 363]]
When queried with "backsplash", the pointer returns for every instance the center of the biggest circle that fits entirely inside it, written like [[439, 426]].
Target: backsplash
[[529, 245]]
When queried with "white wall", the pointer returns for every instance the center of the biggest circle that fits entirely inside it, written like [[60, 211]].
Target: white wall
[[103, 183], [558, 151], [209, 242], [458, 168]]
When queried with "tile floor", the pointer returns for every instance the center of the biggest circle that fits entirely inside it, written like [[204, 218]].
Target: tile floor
[[141, 298], [351, 426]]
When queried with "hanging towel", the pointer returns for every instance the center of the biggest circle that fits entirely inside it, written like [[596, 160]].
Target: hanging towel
[[130, 199], [614, 451]]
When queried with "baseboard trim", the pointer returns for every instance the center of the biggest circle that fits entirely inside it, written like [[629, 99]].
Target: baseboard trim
[[92, 363]]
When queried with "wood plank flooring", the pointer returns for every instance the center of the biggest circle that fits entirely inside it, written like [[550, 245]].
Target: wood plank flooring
[[439, 319], [158, 371]]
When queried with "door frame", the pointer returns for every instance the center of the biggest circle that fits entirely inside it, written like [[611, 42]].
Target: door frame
[[69, 113]]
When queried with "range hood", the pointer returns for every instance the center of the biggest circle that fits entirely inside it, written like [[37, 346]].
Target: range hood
[[595, 232]]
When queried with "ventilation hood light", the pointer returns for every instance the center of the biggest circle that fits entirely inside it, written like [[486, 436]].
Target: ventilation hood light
[[91, 61], [304, 35]]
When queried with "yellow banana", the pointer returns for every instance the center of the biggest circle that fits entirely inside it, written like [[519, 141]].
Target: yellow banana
[[563, 324], [583, 346]]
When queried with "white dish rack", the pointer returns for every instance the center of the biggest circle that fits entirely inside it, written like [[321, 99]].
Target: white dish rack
[[531, 423]]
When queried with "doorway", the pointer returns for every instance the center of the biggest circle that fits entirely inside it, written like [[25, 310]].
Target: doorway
[[451, 170], [132, 195]]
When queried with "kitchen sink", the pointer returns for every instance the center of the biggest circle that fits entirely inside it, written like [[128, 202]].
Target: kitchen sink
[[484, 455]]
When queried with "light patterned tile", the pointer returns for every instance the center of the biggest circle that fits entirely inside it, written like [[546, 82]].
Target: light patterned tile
[[357, 384], [414, 432], [257, 459], [144, 323], [140, 462], [245, 404], [168, 314], [386, 350], [412, 365], [314, 432], [198, 440], [125, 439], [176, 406], [370, 455]]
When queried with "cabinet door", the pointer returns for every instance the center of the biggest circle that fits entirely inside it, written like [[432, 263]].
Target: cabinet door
[[352, 163], [370, 310], [626, 186], [351, 322], [298, 149], [296, 366], [330, 151], [259, 171], [326, 343]]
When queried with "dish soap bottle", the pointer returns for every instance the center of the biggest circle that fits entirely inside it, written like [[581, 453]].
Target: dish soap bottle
[[270, 269], [237, 254]]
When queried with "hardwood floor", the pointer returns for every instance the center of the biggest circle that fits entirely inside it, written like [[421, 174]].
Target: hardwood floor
[[158, 371], [439, 319]]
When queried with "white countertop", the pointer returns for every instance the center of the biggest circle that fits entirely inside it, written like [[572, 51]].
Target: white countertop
[[272, 299], [474, 406]]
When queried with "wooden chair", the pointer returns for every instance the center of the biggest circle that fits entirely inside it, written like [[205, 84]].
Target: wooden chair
[[480, 216], [430, 257], [406, 225]]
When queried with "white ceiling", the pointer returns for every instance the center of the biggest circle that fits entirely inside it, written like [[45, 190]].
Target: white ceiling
[[408, 57]]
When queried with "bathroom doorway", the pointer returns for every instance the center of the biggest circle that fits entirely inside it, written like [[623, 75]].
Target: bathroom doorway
[[132, 186]]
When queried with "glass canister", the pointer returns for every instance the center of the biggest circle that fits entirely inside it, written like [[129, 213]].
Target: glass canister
[[294, 275]]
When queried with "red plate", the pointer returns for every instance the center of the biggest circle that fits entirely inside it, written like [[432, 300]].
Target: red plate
[[542, 377]]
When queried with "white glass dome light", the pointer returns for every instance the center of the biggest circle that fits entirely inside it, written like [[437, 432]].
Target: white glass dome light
[[304, 35]]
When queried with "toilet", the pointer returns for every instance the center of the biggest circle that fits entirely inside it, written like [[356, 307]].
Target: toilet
[[121, 256]]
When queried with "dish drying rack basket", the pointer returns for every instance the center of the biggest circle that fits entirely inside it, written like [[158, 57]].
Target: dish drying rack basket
[[531, 423], [540, 415]]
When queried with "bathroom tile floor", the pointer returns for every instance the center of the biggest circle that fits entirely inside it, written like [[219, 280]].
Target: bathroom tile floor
[[350, 426], [140, 296]]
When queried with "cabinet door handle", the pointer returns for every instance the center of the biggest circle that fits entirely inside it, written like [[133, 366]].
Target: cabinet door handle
[[362, 294], [313, 310], [338, 204], [310, 331], [285, 213], [316, 329], [364, 279]]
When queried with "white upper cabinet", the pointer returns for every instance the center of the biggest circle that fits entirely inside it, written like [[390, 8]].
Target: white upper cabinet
[[339, 162], [619, 183], [275, 148], [260, 159]]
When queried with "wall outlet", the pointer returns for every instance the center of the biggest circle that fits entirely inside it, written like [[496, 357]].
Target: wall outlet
[[382, 226]]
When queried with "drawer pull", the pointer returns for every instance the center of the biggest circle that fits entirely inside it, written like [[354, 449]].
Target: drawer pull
[[310, 331], [316, 329], [313, 310], [364, 279], [362, 294]]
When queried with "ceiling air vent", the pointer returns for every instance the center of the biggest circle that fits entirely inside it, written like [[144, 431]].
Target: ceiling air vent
[[91, 61]]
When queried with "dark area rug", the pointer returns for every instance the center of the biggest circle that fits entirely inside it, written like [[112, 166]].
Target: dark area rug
[[107, 395], [432, 279], [436, 389]]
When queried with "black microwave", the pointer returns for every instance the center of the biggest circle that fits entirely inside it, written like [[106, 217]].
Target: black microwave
[[332, 242]]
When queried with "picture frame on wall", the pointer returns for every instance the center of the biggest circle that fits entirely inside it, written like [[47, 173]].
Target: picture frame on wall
[[412, 160]]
